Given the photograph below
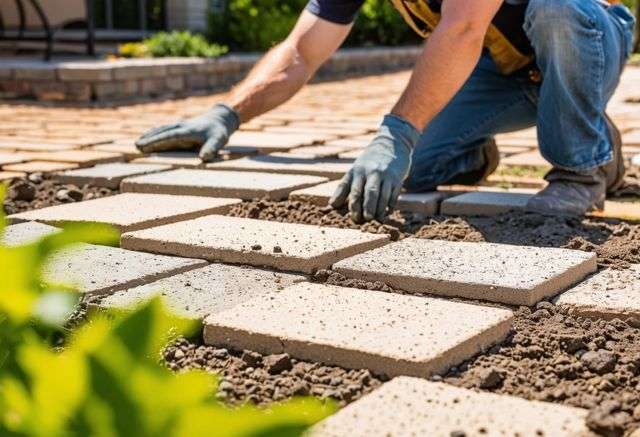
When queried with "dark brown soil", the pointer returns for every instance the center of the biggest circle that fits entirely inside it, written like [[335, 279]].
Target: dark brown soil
[[554, 356], [39, 191], [250, 377]]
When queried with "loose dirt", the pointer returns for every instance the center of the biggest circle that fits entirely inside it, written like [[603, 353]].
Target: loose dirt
[[248, 376], [39, 191]]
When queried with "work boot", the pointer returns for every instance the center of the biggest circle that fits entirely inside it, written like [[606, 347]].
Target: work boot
[[577, 193], [570, 193], [491, 160]]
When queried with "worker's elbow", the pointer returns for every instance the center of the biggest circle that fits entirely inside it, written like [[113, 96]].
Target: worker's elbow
[[466, 30]]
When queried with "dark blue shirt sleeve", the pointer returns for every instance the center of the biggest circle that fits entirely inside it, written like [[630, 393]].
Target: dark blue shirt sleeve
[[336, 11]]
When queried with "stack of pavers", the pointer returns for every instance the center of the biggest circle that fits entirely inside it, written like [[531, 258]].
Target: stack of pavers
[[248, 279]]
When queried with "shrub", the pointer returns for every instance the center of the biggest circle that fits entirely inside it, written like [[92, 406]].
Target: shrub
[[380, 24], [106, 379], [164, 44], [260, 24], [254, 24]]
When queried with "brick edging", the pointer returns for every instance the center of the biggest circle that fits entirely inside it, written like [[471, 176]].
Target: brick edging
[[124, 79]]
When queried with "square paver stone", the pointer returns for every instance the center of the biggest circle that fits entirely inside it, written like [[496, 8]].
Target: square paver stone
[[408, 406], [39, 166], [608, 294], [387, 333], [283, 246], [108, 175], [103, 269], [129, 211], [12, 158], [83, 158], [286, 163], [235, 184], [517, 275], [484, 203], [177, 159], [198, 293], [25, 233], [273, 142], [425, 203]]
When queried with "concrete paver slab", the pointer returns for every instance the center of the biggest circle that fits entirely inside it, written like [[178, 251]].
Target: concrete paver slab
[[25, 233], [425, 203], [286, 164], [516, 275], [126, 148], [129, 211], [483, 203], [39, 167], [12, 157], [7, 175], [102, 269], [283, 246], [84, 158], [387, 333], [107, 175], [273, 142], [211, 289], [607, 294], [411, 406], [174, 159], [241, 185]]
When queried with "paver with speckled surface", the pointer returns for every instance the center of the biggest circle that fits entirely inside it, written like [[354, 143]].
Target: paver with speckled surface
[[198, 293], [107, 175], [25, 233], [387, 333], [129, 211], [425, 203], [607, 294], [484, 203], [103, 269], [287, 163], [283, 246], [516, 275], [241, 185], [415, 407]]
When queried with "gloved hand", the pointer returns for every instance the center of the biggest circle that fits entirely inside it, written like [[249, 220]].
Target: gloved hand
[[374, 182], [209, 131]]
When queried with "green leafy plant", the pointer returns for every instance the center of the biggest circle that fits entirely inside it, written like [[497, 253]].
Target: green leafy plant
[[260, 24], [177, 44], [107, 379]]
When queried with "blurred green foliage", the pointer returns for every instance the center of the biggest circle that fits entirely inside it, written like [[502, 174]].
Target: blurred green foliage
[[260, 24], [176, 43], [106, 380]]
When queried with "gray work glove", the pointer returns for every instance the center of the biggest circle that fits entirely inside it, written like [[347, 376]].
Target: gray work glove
[[209, 131], [374, 182]]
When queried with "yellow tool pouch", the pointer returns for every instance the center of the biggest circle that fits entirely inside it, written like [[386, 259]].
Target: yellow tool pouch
[[505, 40]]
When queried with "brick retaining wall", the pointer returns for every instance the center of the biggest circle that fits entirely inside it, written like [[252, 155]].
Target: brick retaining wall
[[125, 79]]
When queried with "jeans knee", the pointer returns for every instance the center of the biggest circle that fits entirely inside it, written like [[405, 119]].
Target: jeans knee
[[551, 20]]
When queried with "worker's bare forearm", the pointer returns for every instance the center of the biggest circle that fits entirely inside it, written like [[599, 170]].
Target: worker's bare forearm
[[274, 80], [288, 66], [437, 77], [447, 60]]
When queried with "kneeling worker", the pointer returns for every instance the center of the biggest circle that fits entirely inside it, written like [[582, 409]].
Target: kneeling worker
[[487, 67]]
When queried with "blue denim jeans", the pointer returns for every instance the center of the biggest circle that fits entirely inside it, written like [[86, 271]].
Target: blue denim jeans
[[581, 47]]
